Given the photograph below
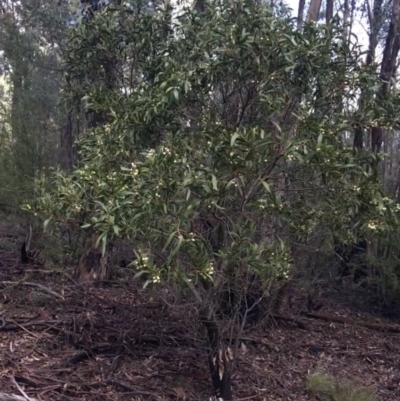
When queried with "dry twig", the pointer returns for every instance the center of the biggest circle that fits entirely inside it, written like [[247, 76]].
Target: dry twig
[[40, 286]]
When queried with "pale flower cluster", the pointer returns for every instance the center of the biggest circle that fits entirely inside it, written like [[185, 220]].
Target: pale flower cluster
[[372, 225], [150, 153], [134, 171], [166, 151], [210, 269]]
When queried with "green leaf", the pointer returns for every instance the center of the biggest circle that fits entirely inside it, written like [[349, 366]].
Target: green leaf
[[176, 249], [103, 244], [140, 273], [206, 188], [103, 206], [214, 182], [46, 223], [234, 137], [170, 238], [266, 186], [187, 86]]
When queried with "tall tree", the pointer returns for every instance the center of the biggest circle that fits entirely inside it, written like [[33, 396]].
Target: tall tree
[[388, 69], [30, 39], [329, 10], [300, 14], [313, 11]]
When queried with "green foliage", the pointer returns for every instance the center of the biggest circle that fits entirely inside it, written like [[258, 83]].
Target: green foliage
[[332, 390], [30, 117], [220, 141]]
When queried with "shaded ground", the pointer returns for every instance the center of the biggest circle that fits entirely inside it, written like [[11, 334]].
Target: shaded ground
[[112, 343]]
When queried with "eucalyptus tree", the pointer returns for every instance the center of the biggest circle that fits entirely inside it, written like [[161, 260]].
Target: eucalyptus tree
[[31, 36]]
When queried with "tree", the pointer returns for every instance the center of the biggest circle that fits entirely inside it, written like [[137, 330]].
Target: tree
[[313, 11], [201, 161], [31, 32]]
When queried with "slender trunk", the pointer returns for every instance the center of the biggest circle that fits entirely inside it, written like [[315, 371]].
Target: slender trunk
[[67, 143], [200, 6], [219, 358], [15, 105], [374, 18], [388, 68], [358, 137], [313, 11], [93, 265], [346, 16], [329, 11], [300, 15]]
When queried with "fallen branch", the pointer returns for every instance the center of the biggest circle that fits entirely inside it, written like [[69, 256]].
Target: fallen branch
[[40, 286], [302, 325], [12, 326], [25, 396], [12, 397], [392, 328], [133, 390], [88, 353]]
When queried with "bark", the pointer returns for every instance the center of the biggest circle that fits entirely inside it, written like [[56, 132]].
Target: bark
[[67, 141], [346, 16], [388, 68], [313, 11], [392, 46], [376, 139], [200, 6], [375, 22], [300, 15], [358, 137], [329, 11], [219, 358], [92, 266]]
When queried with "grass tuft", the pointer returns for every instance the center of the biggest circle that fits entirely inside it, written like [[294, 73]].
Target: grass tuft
[[330, 389]]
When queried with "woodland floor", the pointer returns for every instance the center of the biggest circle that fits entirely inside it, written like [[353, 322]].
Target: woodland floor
[[112, 343]]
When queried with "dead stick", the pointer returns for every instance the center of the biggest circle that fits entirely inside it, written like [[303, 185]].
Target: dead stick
[[10, 327], [40, 286], [26, 397], [12, 397], [373, 326], [302, 325]]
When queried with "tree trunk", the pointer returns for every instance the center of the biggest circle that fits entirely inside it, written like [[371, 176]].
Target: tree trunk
[[220, 357], [388, 68], [329, 11], [358, 137], [200, 6], [300, 15], [92, 266], [346, 16], [67, 142], [313, 11], [375, 22]]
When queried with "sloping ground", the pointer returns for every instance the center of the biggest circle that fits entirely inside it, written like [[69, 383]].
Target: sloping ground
[[113, 343]]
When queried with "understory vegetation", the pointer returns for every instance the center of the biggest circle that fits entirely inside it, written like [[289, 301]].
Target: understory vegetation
[[224, 154]]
